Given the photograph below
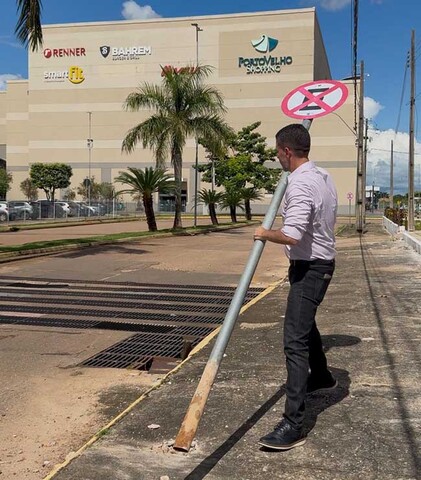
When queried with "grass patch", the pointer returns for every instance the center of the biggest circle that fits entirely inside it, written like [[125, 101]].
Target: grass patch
[[115, 237]]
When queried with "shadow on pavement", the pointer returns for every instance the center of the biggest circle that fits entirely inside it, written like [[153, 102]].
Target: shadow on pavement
[[330, 341], [84, 252], [211, 460]]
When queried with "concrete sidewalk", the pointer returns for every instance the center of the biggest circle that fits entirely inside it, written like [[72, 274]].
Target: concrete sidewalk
[[368, 428]]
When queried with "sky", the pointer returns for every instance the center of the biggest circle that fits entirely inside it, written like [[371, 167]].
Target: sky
[[384, 39]]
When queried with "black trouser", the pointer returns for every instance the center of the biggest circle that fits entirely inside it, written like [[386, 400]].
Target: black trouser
[[302, 343]]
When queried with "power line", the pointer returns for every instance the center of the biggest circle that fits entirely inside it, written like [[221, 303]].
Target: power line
[[402, 94], [395, 151]]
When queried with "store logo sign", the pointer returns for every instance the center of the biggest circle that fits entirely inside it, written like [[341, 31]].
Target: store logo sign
[[64, 52], [74, 75], [105, 50], [264, 44], [264, 63], [125, 53]]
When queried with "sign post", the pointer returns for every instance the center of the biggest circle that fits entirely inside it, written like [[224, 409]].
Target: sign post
[[197, 405], [349, 196]]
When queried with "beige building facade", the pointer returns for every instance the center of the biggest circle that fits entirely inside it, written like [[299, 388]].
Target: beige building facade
[[80, 78]]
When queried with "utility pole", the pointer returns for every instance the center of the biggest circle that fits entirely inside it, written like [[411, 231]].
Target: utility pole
[[391, 176], [365, 149], [90, 144], [360, 158], [411, 224], [196, 162]]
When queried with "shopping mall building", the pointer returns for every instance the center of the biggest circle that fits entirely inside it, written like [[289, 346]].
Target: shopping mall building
[[81, 77]]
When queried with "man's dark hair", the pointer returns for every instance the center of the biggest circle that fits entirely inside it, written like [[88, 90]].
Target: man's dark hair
[[296, 137]]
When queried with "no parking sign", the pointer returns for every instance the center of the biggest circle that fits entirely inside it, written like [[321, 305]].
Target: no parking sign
[[314, 99]]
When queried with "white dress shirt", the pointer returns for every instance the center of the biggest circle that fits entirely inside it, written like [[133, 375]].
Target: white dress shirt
[[309, 213]]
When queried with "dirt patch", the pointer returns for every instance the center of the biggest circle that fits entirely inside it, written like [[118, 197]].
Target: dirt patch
[[50, 407]]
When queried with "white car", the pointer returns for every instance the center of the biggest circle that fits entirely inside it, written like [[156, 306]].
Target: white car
[[65, 207], [4, 212]]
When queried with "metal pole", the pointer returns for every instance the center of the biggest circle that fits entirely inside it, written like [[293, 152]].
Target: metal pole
[[90, 145], [196, 161], [391, 175], [197, 405], [360, 158], [411, 223]]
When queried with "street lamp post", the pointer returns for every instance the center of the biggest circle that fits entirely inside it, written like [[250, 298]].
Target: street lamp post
[[89, 144], [196, 162]]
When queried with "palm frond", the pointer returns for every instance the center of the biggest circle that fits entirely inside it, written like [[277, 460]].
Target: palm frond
[[28, 28]]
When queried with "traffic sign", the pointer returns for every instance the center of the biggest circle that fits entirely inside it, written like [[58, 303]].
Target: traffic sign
[[314, 99], [349, 195]]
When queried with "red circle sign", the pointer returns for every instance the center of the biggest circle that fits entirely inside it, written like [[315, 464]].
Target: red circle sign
[[314, 99], [349, 195]]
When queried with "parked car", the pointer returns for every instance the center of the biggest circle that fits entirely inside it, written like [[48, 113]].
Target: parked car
[[81, 209], [4, 212], [20, 210], [65, 207], [48, 209]]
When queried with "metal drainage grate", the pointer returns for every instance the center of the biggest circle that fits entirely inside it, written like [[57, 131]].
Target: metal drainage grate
[[139, 351], [141, 316], [134, 296], [183, 307], [148, 286], [107, 360]]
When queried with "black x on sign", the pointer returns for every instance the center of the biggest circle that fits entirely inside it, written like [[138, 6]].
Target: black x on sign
[[314, 99]]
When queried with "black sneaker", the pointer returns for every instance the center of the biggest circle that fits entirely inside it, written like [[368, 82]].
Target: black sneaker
[[321, 385], [283, 437]]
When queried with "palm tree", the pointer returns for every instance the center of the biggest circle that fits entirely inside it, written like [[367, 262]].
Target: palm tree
[[183, 107], [248, 194], [211, 199], [232, 198], [28, 28], [145, 183]]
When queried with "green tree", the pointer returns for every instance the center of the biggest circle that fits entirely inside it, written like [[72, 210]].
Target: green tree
[[183, 107], [50, 176], [5, 181], [232, 199], [246, 167], [211, 199], [28, 188], [145, 183], [248, 194]]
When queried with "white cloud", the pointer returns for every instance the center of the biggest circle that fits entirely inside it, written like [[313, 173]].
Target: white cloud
[[133, 11], [378, 160], [4, 77], [371, 108], [7, 40], [334, 5]]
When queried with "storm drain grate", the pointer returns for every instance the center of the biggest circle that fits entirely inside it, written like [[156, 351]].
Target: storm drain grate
[[107, 360], [136, 351], [39, 322], [134, 296], [183, 307], [148, 286], [117, 314], [84, 324]]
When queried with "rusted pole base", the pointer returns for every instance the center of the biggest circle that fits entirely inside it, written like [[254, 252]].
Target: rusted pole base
[[189, 426]]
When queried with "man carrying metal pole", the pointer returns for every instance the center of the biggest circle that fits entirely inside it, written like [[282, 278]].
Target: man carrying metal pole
[[308, 235], [197, 405]]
